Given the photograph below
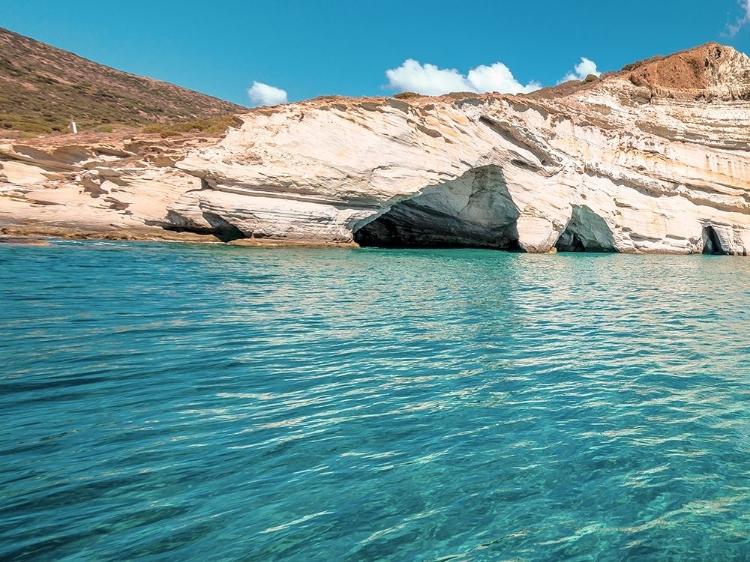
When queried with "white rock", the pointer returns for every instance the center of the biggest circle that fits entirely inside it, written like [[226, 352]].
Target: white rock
[[637, 162], [652, 159]]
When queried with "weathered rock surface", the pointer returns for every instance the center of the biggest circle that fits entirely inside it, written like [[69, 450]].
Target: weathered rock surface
[[102, 186], [651, 159]]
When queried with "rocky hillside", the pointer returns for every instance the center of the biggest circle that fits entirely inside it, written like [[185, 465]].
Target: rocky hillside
[[42, 88], [655, 158], [652, 159]]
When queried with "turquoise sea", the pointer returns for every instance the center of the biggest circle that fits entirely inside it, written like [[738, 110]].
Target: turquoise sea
[[176, 402]]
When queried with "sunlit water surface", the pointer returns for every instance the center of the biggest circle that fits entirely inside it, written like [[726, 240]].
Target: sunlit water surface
[[171, 402]]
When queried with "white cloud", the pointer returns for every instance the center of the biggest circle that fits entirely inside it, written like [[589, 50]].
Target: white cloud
[[498, 78], [430, 80], [263, 94], [582, 70], [742, 21]]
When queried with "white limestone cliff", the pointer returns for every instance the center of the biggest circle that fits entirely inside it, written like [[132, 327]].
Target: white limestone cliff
[[653, 159], [102, 187]]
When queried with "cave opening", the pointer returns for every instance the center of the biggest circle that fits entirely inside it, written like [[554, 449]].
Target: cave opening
[[222, 228], [586, 231], [569, 242], [711, 242], [473, 211], [411, 225]]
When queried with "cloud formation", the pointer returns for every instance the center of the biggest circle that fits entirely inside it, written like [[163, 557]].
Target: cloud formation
[[263, 94], [582, 70], [742, 21], [430, 80]]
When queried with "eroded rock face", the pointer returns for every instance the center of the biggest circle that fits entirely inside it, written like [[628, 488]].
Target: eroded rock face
[[103, 185], [585, 232], [650, 159], [474, 210], [640, 161]]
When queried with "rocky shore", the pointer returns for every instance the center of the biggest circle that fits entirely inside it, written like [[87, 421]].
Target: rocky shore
[[652, 159]]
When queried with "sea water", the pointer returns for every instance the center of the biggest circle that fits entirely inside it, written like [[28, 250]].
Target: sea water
[[174, 402]]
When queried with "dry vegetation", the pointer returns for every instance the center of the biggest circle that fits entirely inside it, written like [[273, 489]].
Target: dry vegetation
[[212, 125], [42, 88], [407, 95]]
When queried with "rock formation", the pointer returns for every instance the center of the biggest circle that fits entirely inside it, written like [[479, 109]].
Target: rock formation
[[652, 159], [103, 186]]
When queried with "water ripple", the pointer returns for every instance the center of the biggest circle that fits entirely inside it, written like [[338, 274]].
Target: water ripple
[[164, 402]]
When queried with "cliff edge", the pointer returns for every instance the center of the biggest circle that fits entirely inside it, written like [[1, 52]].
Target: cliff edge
[[651, 159]]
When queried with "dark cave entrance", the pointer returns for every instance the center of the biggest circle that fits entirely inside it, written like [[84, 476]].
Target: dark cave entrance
[[473, 211], [586, 231], [711, 242], [219, 227], [569, 242], [410, 225]]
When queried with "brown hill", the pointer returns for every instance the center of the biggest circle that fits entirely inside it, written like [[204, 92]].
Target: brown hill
[[42, 88], [709, 72]]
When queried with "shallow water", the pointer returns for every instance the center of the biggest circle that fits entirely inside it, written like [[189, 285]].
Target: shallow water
[[171, 402]]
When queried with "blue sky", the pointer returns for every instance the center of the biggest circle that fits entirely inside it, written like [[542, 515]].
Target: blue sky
[[310, 48]]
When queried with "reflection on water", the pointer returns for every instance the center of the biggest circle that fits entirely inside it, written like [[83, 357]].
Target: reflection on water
[[177, 402]]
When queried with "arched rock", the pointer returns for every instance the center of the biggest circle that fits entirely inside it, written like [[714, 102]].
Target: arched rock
[[586, 231], [712, 242], [474, 211]]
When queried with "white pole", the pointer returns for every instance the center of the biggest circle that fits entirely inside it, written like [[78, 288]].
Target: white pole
[[74, 127]]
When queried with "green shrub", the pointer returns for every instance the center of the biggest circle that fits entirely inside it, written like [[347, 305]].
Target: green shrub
[[407, 95]]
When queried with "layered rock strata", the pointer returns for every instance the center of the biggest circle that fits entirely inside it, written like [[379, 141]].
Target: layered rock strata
[[102, 186], [652, 159]]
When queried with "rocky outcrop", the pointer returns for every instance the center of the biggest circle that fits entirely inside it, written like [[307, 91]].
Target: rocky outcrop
[[652, 159], [102, 186], [644, 160]]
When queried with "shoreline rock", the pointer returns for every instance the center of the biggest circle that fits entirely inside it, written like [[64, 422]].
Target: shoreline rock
[[652, 159]]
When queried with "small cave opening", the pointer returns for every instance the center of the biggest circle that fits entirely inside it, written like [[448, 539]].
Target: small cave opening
[[711, 242], [472, 211], [586, 231], [222, 228], [217, 226], [569, 242]]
